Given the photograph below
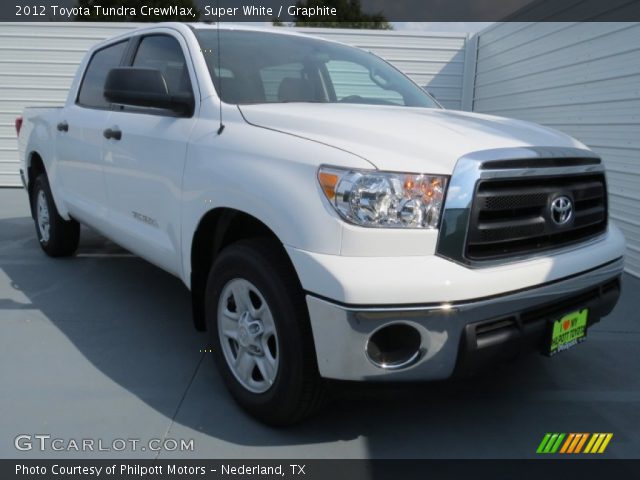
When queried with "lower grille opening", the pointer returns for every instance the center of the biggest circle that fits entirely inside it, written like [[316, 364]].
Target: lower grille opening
[[599, 300], [503, 338]]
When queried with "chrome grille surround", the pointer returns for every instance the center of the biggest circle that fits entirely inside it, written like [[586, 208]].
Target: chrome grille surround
[[517, 165]]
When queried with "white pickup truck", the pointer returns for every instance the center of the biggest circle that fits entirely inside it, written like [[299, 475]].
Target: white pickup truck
[[330, 219]]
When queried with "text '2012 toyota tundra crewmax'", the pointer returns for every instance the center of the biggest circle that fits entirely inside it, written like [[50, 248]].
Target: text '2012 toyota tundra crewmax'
[[330, 219]]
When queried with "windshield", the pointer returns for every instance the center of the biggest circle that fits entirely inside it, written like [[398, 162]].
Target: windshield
[[262, 67]]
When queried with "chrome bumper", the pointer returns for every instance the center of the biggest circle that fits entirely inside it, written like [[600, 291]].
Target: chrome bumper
[[341, 332]]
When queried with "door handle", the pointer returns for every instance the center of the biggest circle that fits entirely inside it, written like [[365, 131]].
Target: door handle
[[63, 126], [112, 133]]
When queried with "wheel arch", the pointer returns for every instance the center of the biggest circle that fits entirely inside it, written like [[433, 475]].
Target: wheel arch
[[35, 166], [217, 229]]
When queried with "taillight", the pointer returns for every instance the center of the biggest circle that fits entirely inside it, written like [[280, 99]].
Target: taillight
[[18, 125]]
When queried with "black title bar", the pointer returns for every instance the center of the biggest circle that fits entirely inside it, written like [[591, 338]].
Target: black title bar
[[327, 11], [584, 469]]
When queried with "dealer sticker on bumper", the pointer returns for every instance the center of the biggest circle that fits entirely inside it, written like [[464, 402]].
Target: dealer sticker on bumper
[[568, 331]]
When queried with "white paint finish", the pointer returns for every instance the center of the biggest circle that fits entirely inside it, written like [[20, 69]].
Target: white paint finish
[[582, 79], [143, 161], [78, 160], [417, 140], [389, 280], [272, 177], [150, 157]]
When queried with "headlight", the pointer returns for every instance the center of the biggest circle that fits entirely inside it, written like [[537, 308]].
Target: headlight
[[384, 199]]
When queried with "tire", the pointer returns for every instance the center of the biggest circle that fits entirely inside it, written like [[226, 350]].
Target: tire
[[58, 237], [276, 379]]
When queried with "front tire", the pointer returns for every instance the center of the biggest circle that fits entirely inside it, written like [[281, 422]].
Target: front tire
[[58, 237], [260, 333]]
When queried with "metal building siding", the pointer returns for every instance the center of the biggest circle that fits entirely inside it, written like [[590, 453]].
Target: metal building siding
[[583, 79], [38, 61], [37, 64]]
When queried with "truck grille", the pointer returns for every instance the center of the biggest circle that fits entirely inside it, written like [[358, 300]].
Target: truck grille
[[514, 216]]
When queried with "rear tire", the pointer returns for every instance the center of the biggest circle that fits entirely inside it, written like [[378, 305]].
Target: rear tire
[[260, 333], [58, 237]]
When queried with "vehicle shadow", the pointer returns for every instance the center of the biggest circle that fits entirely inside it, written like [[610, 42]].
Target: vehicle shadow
[[132, 321]]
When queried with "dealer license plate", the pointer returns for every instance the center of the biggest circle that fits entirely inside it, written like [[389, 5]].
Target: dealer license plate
[[568, 331]]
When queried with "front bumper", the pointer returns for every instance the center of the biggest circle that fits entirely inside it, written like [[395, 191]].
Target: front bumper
[[460, 335]]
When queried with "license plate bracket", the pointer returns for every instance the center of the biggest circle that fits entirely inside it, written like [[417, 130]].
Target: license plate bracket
[[567, 331]]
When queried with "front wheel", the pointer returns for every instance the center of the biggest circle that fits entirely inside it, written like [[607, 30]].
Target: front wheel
[[260, 333]]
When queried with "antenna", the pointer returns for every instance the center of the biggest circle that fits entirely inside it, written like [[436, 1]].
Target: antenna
[[221, 128]]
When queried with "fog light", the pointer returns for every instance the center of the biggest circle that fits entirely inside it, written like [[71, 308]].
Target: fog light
[[394, 346]]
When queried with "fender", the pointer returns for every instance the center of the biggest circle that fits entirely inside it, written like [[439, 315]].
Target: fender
[[39, 141], [272, 178]]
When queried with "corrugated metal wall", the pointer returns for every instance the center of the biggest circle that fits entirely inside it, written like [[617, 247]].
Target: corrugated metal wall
[[37, 65], [583, 79], [38, 61]]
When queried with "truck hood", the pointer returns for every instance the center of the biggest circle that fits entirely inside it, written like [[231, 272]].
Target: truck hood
[[400, 138]]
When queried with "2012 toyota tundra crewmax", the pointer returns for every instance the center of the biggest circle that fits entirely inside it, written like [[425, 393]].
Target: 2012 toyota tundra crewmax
[[330, 219]]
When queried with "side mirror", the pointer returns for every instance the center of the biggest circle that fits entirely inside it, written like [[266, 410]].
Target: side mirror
[[144, 87]]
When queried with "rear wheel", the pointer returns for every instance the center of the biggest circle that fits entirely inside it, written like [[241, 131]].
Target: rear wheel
[[260, 333], [58, 237]]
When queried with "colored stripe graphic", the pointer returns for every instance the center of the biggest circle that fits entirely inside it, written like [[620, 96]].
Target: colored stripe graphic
[[567, 443], [543, 443], [581, 442], [556, 445], [573, 443], [550, 443], [598, 443], [605, 443], [590, 444]]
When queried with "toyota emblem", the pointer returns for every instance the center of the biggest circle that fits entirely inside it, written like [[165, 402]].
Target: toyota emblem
[[561, 210]]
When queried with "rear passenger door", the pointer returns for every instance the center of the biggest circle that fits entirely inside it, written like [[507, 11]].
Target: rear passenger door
[[143, 168], [80, 142]]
